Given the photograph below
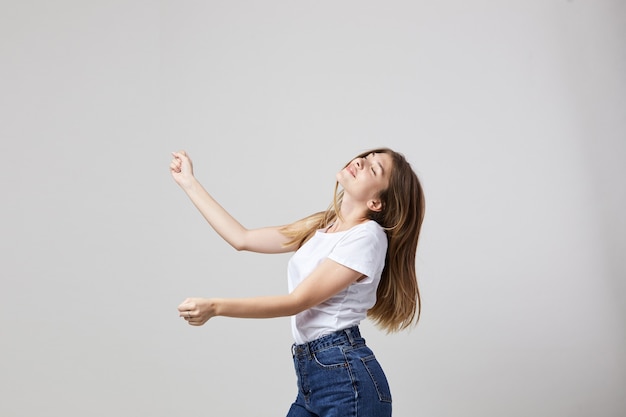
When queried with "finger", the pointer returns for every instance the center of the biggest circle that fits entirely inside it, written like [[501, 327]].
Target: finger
[[179, 162], [183, 157], [185, 306], [177, 157]]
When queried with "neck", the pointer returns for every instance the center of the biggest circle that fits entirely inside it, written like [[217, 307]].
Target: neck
[[350, 216]]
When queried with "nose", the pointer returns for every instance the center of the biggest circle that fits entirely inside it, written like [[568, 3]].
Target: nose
[[359, 163]]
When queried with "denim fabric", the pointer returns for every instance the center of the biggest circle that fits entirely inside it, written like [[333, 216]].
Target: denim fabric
[[339, 376]]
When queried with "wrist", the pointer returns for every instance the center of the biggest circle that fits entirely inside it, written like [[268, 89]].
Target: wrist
[[215, 306], [189, 185]]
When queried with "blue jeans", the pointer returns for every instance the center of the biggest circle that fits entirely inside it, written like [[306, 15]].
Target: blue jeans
[[339, 376]]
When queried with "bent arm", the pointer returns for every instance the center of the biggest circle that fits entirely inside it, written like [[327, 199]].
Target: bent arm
[[327, 279], [263, 240]]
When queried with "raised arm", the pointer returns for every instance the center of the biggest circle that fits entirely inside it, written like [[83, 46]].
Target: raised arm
[[326, 280], [263, 240]]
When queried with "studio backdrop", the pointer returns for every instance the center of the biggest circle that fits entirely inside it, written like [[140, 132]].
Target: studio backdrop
[[512, 114]]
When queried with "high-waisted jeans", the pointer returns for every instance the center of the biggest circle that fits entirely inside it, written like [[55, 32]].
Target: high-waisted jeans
[[339, 376]]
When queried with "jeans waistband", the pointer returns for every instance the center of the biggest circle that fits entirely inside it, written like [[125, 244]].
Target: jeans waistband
[[351, 336]]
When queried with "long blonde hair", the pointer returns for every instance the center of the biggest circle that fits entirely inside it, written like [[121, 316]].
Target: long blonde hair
[[398, 301]]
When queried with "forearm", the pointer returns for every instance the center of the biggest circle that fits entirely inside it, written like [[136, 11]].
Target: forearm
[[219, 219], [256, 307], [264, 240], [327, 279]]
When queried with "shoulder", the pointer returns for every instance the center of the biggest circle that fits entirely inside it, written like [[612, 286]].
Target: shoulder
[[370, 227], [362, 248], [369, 231]]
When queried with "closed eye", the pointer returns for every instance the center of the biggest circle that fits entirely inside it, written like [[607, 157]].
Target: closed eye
[[372, 155]]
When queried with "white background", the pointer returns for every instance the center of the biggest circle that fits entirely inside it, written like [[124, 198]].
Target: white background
[[512, 113]]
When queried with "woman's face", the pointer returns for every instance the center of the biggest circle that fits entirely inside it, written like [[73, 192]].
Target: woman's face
[[364, 178]]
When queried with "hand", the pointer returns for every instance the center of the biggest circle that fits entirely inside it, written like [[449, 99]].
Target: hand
[[197, 311], [181, 168]]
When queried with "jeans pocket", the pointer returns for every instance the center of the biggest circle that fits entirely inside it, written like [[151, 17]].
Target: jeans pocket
[[379, 379], [331, 357]]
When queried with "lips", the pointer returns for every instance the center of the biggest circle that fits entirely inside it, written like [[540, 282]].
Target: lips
[[350, 169]]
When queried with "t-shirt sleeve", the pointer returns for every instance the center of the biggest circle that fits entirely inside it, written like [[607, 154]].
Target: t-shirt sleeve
[[363, 250]]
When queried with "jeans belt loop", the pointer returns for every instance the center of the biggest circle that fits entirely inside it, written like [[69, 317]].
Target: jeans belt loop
[[348, 333]]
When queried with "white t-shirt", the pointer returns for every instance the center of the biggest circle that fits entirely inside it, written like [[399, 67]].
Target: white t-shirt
[[361, 248]]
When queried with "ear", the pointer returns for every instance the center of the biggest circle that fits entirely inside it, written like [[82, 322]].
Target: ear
[[375, 205]]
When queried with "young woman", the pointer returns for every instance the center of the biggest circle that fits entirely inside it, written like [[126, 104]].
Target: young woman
[[354, 260]]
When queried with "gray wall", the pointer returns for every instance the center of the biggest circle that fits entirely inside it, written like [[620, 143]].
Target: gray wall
[[513, 114]]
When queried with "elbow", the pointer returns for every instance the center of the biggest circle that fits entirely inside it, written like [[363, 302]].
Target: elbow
[[238, 243], [297, 305], [238, 246]]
